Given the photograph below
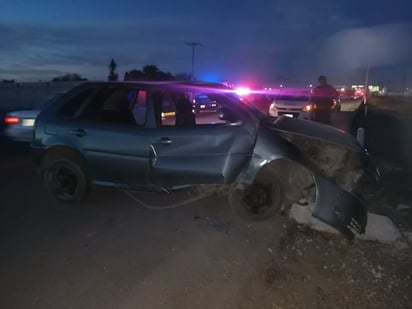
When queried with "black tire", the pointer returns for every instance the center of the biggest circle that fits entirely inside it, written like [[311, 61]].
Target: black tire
[[65, 177], [262, 200]]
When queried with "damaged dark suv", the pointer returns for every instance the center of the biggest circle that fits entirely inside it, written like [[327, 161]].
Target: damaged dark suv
[[146, 136]]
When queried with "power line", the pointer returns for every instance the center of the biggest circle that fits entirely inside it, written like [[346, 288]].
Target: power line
[[193, 44]]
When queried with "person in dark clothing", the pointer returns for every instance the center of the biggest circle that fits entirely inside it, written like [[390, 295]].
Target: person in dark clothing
[[184, 111], [323, 96]]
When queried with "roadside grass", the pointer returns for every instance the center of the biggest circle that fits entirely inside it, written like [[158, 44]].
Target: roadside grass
[[388, 139], [401, 105]]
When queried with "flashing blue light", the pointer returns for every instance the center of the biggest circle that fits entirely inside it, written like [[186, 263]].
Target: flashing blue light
[[209, 77]]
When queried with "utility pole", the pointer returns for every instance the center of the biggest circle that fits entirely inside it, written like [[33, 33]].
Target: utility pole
[[193, 44], [367, 82], [403, 84]]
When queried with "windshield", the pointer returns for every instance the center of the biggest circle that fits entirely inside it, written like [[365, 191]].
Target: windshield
[[292, 98], [252, 106]]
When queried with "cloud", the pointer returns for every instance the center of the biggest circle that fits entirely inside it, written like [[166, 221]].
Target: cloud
[[378, 46], [286, 41], [133, 43]]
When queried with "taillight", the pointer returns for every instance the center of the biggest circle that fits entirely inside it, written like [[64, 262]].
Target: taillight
[[308, 108], [11, 120]]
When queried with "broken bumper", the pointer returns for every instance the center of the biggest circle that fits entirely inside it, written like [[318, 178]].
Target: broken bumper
[[339, 208]]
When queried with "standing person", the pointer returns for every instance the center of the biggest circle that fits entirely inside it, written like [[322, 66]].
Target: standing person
[[323, 96]]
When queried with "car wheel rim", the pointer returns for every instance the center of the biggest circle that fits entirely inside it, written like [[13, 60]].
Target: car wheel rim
[[258, 199]]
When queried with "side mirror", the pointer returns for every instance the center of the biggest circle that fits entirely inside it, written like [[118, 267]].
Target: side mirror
[[228, 115]]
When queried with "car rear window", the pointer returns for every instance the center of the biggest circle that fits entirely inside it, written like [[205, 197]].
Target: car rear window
[[70, 109], [117, 105]]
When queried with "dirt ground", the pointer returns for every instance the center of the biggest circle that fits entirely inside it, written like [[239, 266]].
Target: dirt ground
[[316, 270], [310, 269]]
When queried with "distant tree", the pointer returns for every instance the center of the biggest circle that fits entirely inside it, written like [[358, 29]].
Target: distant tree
[[8, 81], [182, 76], [69, 78], [113, 75], [149, 72], [134, 75]]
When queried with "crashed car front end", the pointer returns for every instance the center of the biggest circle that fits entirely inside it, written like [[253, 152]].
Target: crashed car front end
[[339, 208], [318, 164]]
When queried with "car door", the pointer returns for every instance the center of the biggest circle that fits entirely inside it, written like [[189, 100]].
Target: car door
[[212, 151], [110, 132]]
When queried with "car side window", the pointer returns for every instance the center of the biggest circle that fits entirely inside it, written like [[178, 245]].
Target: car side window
[[111, 105], [139, 109], [193, 109], [70, 109]]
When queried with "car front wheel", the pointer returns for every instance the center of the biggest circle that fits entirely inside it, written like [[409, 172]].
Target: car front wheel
[[259, 201], [66, 179]]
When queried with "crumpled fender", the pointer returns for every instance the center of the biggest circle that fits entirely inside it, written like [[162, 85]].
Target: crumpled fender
[[339, 208], [334, 206], [268, 147]]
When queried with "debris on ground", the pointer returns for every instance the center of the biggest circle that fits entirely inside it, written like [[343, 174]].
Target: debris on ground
[[310, 269], [379, 228]]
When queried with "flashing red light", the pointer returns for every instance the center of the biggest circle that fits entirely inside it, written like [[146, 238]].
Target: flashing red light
[[11, 120], [242, 91]]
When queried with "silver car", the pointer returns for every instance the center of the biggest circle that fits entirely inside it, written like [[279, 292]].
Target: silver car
[[290, 105], [146, 137], [20, 124]]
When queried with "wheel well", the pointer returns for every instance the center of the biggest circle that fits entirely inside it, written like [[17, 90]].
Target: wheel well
[[61, 151], [296, 179]]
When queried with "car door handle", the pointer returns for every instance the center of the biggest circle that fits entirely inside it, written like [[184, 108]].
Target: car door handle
[[78, 132], [165, 141]]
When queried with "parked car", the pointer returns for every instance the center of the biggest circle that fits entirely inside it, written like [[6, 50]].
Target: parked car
[[20, 124], [290, 105], [118, 135], [202, 103], [297, 106]]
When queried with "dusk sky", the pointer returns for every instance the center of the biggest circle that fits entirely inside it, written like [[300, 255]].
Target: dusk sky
[[265, 41]]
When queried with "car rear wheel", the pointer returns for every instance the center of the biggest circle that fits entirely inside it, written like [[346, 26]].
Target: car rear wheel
[[66, 179], [263, 199]]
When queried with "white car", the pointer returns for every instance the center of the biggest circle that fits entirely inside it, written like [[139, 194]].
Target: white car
[[295, 106], [20, 124]]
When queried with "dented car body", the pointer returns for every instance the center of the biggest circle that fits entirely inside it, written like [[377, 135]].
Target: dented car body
[[146, 136]]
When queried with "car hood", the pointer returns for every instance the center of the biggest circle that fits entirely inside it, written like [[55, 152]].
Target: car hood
[[31, 113], [314, 130], [292, 103]]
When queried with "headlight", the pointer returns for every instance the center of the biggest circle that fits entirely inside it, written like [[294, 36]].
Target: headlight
[[308, 108], [273, 110]]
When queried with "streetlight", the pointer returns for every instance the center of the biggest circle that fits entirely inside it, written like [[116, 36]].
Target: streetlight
[[193, 44]]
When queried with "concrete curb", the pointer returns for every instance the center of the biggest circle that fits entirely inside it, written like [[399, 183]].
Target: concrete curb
[[379, 228]]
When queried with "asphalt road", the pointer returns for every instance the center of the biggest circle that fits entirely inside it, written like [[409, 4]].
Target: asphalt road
[[110, 252]]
